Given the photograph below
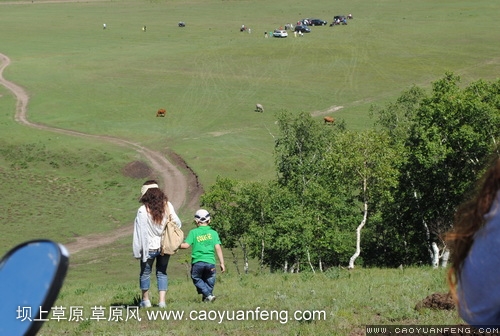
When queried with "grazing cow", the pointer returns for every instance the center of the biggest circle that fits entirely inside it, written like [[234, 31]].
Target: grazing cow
[[161, 113], [259, 108], [329, 120]]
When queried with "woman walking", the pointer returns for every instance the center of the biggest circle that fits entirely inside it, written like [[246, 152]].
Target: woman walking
[[148, 227]]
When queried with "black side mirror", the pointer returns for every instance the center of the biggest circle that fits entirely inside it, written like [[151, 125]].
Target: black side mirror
[[31, 275]]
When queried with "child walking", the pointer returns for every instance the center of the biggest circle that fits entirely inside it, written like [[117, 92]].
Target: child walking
[[205, 244]]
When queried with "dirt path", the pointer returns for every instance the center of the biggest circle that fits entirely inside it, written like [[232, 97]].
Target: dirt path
[[181, 184]]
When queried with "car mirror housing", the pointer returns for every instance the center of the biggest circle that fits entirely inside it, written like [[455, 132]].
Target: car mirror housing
[[31, 275]]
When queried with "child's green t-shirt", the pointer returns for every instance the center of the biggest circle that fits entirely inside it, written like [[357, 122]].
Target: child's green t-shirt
[[203, 240]]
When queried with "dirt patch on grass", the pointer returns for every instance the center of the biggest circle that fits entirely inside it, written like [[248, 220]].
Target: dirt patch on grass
[[138, 170], [216, 134], [329, 110], [442, 301]]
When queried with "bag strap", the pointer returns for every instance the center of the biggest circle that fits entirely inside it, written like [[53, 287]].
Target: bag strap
[[167, 212]]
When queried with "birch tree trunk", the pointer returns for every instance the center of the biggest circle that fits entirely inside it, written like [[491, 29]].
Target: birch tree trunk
[[431, 247], [309, 260], [435, 255], [445, 258], [245, 265], [262, 255], [358, 230], [245, 256]]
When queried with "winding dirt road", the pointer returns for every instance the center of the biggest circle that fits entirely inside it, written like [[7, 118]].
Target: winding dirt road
[[181, 185]]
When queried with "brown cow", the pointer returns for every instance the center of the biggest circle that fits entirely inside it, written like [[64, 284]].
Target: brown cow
[[329, 120], [161, 113]]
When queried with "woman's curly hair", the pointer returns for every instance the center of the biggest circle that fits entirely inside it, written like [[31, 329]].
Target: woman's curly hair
[[155, 201]]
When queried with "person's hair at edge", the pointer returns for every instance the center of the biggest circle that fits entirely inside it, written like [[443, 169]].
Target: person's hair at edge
[[469, 218], [155, 201]]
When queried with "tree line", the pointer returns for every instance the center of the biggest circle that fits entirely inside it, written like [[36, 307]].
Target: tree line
[[383, 196]]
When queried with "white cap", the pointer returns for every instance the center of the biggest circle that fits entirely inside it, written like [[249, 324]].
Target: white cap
[[202, 216]]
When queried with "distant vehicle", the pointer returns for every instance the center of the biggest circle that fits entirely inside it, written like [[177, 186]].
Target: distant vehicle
[[303, 29], [304, 22], [317, 22], [280, 33], [339, 19]]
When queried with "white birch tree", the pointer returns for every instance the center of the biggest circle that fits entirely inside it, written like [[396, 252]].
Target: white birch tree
[[368, 163]]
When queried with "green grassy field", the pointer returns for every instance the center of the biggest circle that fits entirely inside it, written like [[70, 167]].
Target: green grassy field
[[343, 301], [209, 77]]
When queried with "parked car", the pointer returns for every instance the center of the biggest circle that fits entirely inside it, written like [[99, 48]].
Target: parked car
[[280, 33], [304, 22], [303, 29], [317, 22]]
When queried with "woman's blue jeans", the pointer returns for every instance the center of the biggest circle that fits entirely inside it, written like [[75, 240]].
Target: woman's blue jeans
[[161, 271], [203, 275]]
